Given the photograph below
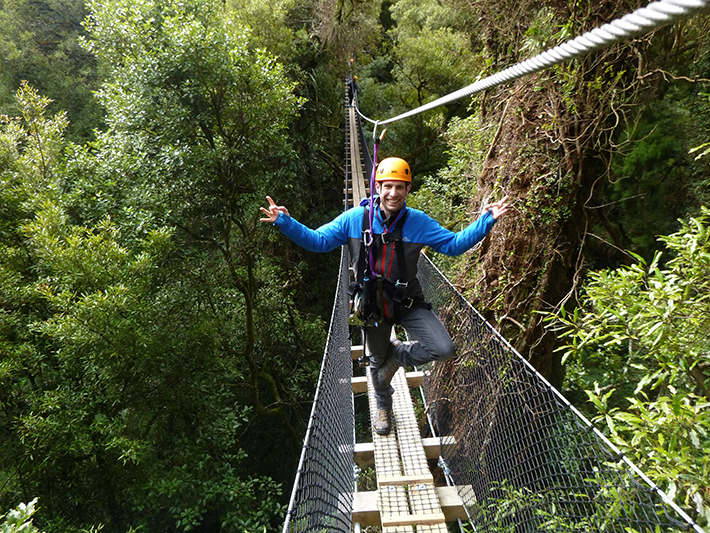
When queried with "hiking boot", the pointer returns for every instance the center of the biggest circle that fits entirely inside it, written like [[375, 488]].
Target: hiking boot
[[382, 424], [389, 368]]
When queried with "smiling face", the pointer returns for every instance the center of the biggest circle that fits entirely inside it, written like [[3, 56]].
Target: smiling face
[[392, 195]]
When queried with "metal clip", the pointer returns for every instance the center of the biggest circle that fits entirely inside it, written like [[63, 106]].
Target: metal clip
[[367, 237]]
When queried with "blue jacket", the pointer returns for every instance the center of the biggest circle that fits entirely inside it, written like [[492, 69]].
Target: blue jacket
[[419, 230]]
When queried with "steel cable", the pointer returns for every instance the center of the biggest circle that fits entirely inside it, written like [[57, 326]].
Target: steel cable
[[655, 15]]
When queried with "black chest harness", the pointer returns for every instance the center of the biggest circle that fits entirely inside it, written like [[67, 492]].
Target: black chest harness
[[367, 292]]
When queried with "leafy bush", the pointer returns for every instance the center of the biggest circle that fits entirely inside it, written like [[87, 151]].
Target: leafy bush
[[19, 520], [645, 330]]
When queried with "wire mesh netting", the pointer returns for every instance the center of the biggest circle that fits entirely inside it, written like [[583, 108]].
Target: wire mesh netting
[[322, 498], [524, 459]]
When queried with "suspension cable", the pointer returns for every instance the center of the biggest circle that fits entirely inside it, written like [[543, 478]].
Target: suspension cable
[[655, 15]]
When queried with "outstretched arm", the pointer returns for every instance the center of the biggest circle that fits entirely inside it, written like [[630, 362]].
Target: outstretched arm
[[455, 243], [498, 208], [323, 239], [272, 213]]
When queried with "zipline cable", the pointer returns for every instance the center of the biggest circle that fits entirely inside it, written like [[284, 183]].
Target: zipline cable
[[655, 15]]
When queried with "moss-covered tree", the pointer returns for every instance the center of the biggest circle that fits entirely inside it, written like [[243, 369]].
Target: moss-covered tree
[[550, 142]]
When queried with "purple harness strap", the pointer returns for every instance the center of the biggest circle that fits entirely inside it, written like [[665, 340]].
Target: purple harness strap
[[371, 262]]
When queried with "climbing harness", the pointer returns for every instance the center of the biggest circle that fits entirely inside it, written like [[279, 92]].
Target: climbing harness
[[369, 287]]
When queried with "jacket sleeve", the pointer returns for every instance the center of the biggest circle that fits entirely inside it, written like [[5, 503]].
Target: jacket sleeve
[[324, 239], [455, 243]]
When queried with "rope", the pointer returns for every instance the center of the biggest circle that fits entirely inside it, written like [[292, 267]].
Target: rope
[[642, 20]]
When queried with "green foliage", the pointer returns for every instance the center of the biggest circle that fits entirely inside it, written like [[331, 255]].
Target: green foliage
[[446, 196], [142, 328], [654, 180], [425, 54], [19, 520], [38, 45], [543, 33], [705, 147], [645, 329], [549, 511], [431, 56], [268, 23], [413, 15]]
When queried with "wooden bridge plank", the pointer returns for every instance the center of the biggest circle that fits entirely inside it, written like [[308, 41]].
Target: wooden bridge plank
[[392, 500], [433, 447], [359, 383], [423, 499], [357, 172], [367, 513], [414, 520], [399, 481]]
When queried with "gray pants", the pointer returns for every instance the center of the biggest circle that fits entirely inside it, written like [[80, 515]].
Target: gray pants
[[431, 343]]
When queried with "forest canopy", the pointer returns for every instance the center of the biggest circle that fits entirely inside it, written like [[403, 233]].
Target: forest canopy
[[159, 347]]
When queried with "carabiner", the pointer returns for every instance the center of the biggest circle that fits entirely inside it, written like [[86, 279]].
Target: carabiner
[[374, 133], [367, 238]]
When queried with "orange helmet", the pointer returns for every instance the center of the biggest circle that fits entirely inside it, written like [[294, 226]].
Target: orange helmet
[[393, 168]]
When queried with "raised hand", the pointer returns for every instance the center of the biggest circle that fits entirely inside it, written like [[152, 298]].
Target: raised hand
[[272, 213], [498, 208]]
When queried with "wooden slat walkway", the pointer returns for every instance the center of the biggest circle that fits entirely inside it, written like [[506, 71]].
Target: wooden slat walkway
[[407, 495], [358, 188]]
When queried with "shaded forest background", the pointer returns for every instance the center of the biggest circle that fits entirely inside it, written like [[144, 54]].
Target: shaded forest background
[[159, 347]]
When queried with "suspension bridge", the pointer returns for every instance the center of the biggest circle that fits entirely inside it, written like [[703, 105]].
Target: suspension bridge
[[482, 443]]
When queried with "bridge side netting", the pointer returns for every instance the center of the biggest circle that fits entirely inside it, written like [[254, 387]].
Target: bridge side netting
[[528, 459], [322, 497]]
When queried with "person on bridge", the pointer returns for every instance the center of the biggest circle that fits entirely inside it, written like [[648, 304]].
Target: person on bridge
[[398, 234]]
